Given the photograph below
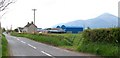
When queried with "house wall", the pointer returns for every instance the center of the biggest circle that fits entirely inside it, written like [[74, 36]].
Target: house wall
[[25, 29], [31, 29]]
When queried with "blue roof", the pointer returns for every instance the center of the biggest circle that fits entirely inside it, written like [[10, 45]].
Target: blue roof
[[63, 26], [73, 27]]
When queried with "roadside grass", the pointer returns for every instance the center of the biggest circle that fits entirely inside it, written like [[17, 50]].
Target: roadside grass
[[71, 48], [74, 42], [103, 49], [5, 51], [68, 41], [0, 46], [74, 39], [48, 39]]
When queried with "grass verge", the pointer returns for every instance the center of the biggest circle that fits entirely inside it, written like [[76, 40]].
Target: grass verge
[[74, 42], [4, 43], [53, 40]]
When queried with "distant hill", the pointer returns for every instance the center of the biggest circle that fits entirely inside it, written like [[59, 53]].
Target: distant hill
[[105, 20]]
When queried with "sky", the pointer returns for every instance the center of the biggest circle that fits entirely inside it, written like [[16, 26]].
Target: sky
[[52, 12]]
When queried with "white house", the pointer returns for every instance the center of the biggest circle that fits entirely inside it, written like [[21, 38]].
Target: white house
[[30, 28]]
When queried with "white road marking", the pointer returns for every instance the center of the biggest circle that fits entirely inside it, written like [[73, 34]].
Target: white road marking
[[46, 53], [23, 42], [32, 46]]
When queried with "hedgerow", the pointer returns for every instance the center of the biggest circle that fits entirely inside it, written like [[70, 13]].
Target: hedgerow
[[110, 35], [104, 42]]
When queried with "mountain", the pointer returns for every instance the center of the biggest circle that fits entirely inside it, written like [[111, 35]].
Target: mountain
[[105, 20]]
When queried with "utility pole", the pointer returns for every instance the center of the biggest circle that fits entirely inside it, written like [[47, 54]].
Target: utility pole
[[11, 28], [34, 14], [34, 17]]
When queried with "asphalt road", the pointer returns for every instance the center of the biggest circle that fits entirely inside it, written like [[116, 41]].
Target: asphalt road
[[25, 47]]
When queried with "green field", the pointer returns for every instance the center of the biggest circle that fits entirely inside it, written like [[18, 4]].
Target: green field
[[75, 42]]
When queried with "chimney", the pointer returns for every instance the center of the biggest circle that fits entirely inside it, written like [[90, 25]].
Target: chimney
[[32, 22], [28, 23]]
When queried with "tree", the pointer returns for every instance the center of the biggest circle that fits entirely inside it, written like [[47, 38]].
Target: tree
[[3, 30], [88, 28], [16, 30], [3, 5]]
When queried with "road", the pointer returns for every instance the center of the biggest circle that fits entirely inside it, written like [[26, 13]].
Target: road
[[25, 47]]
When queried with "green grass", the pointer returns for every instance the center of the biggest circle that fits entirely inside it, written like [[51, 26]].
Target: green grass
[[71, 48], [48, 39], [74, 42], [103, 49], [73, 38], [4, 43], [0, 46]]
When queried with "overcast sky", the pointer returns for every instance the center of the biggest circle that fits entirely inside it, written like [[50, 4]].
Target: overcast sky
[[51, 12]]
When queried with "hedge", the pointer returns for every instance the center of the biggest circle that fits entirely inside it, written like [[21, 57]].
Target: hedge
[[103, 42], [110, 35]]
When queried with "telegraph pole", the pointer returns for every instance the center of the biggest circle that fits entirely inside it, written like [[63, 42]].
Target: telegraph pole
[[34, 17], [34, 14], [11, 28]]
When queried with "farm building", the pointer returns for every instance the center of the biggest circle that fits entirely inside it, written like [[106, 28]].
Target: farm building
[[20, 29], [72, 29], [56, 30], [39, 29]]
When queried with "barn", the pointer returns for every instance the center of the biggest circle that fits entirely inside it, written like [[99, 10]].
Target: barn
[[72, 29]]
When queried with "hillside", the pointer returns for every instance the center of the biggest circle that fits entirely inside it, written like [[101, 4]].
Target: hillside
[[105, 20]]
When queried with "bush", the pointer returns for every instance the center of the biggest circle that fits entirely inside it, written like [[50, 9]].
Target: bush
[[111, 35], [104, 42]]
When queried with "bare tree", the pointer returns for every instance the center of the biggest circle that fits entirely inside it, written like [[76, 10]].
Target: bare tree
[[3, 5]]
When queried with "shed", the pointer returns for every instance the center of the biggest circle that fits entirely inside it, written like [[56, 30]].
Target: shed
[[72, 29]]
